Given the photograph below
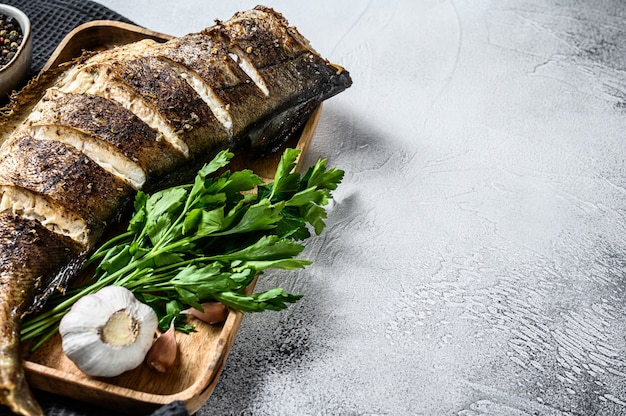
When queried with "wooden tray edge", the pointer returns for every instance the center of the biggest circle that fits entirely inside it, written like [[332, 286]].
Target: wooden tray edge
[[78, 39]]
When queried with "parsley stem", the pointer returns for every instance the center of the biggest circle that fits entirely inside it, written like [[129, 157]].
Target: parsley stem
[[54, 314], [101, 251]]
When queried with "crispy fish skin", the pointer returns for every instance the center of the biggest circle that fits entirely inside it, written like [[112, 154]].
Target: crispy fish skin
[[63, 175], [141, 116], [23, 245], [175, 100], [109, 123]]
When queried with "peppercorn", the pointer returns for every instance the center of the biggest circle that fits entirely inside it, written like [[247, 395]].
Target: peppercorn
[[11, 38]]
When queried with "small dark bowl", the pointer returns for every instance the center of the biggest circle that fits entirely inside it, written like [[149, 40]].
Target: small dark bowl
[[15, 72]]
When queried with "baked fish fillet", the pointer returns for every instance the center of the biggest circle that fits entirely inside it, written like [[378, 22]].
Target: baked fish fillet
[[80, 141]]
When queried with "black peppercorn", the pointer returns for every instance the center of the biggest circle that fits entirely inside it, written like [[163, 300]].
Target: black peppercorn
[[11, 38]]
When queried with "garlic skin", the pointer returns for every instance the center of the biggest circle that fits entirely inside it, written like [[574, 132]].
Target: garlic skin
[[211, 313], [163, 353], [108, 332]]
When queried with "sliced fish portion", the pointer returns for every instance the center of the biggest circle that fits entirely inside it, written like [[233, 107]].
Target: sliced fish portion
[[219, 109], [171, 97], [106, 132], [100, 81], [60, 175]]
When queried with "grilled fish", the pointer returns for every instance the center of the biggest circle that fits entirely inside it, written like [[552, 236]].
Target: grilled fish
[[79, 142]]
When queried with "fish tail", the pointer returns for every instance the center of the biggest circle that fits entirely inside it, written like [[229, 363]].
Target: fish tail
[[15, 291], [14, 390], [28, 251]]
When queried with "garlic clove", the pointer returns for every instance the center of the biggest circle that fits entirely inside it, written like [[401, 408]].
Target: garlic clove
[[211, 313], [108, 332], [163, 353]]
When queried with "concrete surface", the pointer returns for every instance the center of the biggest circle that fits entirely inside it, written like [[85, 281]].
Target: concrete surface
[[474, 258]]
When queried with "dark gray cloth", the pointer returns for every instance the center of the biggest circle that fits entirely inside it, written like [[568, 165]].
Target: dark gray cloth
[[55, 406], [51, 20]]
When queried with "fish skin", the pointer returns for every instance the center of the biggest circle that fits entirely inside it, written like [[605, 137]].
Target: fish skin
[[61, 173], [171, 97], [23, 245], [120, 129], [297, 80]]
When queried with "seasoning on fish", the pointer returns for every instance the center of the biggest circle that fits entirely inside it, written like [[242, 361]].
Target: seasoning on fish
[[79, 141]]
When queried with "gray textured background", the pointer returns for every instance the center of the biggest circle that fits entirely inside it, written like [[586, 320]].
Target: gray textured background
[[474, 258]]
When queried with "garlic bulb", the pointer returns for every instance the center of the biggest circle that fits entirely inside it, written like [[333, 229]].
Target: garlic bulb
[[108, 332]]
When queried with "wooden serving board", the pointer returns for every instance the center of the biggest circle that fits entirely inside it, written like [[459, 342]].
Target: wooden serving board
[[202, 354]]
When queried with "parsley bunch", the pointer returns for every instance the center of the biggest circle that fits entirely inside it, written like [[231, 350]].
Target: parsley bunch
[[206, 241]]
